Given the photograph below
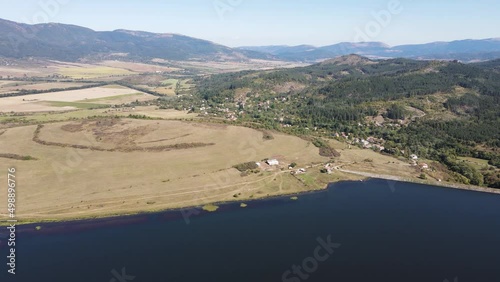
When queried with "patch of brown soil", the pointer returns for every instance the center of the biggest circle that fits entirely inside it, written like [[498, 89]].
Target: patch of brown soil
[[122, 138], [289, 87], [73, 127], [328, 151], [126, 145]]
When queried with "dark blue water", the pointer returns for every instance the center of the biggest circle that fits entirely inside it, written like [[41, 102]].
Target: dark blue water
[[378, 231]]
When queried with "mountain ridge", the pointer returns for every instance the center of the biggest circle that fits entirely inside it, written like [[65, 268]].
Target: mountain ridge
[[71, 42], [467, 50], [68, 42]]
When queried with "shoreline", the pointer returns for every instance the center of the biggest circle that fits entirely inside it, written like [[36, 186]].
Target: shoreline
[[449, 185], [199, 208], [366, 177]]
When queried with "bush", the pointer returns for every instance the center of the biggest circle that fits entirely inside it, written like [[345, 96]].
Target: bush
[[319, 143], [328, 152], [246, 166], [267, 135]]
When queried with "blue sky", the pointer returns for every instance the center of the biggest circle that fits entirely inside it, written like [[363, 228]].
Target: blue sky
[[275, 22]]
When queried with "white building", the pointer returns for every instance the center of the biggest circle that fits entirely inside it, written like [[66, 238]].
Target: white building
[[273, 162], [424, 166]]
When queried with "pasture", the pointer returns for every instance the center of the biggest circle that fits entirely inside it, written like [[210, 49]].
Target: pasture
[[89, 72], [476, 163], [105, 167], [138, 67], [68, 100], [15, 86], [172, 86]]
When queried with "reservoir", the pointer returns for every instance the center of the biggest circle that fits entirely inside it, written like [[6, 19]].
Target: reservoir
[[374, 230]]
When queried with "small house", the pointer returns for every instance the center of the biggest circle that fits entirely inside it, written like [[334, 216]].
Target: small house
[[273, 162], [424, 166]]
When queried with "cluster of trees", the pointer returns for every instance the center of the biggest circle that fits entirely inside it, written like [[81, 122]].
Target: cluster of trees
[[131, 86], [396, 111], [246, 166], [472, 175]]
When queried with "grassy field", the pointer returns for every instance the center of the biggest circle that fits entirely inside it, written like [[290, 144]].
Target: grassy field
[[229, 66], [76, 105], [170, 82], [67, 100], [20, 71], [89, 72], [66, 182], [124, 175], [138, 67], [148, 111], [476, 163], [10, 86], [170, 87], [44, 68], [114, 86]]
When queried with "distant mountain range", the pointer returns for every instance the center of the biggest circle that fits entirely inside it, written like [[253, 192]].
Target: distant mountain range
[[463, 50], [71, 43]]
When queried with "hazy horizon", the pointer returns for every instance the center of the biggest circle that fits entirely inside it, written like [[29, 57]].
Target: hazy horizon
[[238, 23]]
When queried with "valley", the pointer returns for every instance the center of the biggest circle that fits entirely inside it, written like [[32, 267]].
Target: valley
[[109, 149], [130, 131]]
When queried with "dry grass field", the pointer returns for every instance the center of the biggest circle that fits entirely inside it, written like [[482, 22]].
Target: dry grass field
[[68, 100], [114, 166], [110, 70], [13, 86], [149, 111], [20, 71], [89, 72], [476, 163], [153, 112], [138, 67], [44, 68], [67, 180], [169, 87], [229, 66]]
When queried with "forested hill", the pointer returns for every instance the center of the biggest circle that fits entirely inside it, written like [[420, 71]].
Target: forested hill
[[438, 110], [70, 43]]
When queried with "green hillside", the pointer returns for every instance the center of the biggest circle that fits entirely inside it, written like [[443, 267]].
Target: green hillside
[[437, 110]]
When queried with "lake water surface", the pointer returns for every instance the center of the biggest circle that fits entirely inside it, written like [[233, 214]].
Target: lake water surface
[[354, 231]]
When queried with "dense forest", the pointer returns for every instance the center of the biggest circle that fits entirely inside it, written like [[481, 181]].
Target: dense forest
[[438, 110]]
